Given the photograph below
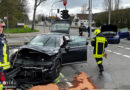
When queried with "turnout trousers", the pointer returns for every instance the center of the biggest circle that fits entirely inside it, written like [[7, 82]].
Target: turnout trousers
[[99, 63]]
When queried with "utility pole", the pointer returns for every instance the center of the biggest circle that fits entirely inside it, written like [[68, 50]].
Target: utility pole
[[90, 17], [7, 22], [109, 16]]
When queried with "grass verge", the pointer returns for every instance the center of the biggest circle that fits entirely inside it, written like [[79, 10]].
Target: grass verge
[[20, 30]]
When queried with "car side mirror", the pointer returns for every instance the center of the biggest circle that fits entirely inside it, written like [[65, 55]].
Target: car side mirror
[[25, 43], [67, 48]]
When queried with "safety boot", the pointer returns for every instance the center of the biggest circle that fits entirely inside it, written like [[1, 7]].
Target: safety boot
[[101, 69]]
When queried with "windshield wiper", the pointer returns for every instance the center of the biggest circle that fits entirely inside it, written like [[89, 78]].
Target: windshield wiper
[[46, 41]]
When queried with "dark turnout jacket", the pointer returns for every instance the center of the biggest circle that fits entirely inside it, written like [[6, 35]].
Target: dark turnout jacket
[[99, 43], [4, 54]]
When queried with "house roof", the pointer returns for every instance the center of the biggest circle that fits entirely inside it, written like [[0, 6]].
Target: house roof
[[83, 16]]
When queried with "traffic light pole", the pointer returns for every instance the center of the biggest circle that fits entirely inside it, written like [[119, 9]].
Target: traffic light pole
[[109, 17], [90, 17]]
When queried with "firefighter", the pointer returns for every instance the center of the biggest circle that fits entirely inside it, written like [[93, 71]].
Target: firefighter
[[4, 54], [99, 43], [81, 29]]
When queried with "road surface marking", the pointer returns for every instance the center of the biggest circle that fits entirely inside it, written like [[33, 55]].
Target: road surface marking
[[127, 48], [108, 50], [124, 47], [67, 81], [117, 53], [126, 56]]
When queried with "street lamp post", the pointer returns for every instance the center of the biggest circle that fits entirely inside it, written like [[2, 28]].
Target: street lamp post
[[50, 14]]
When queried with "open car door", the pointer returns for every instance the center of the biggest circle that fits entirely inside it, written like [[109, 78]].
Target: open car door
[[77, 51], [61, 26]]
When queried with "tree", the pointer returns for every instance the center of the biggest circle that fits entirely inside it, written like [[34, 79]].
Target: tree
[[114, 4], [121, 18], [15, 11], [84, 9], [117, 3], [36, 4]]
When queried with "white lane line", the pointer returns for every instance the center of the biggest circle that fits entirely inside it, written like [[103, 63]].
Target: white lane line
[[121, 46], [67, 81], [126, 56], [124, 47], [117, 53], [127, 48], [89, 45], [108, 50]]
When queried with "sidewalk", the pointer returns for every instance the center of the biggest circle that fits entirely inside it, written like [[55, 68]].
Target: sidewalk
[[21, 38]]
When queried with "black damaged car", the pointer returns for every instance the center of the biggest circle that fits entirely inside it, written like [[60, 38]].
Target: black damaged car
[[40, 61]]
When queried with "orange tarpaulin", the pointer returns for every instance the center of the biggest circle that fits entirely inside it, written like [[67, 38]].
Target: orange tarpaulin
[[80, 82]]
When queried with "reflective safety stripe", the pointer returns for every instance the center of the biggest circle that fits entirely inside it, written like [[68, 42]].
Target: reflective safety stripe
[[57, 80], [99, 62], [6, 67], [93, 40], [98, 56], [1, 86], [5, 64], [5, 53]]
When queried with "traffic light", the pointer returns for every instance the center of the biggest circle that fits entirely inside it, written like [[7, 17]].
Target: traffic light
[[64, 14], [58, 10]]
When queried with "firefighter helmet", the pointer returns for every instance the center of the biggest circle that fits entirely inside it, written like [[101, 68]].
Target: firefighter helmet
[[97, 31], [2, 23]]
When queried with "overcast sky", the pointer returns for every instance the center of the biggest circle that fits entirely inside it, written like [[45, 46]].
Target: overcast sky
[[74, 6]]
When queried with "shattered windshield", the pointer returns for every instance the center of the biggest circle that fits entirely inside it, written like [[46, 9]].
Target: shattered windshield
[[45, 40]]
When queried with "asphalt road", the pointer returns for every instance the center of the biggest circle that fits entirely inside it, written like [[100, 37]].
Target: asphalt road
[[116, 66]]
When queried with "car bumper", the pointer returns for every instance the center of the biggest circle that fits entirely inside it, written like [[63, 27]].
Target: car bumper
[[113, 40]]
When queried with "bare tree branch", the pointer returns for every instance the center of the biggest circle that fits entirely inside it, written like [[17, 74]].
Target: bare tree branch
[[36, 4], [40, 2], [114, 4]]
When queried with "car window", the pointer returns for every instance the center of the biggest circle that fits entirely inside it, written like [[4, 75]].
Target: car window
[[60, 26], [45, 40], [124, 30], [77, 41]]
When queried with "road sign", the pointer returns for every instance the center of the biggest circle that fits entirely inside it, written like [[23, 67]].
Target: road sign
[[5, 18]]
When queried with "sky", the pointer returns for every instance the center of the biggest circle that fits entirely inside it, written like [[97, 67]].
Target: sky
[[74, 6]]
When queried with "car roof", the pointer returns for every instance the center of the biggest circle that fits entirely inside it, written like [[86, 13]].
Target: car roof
[[55, 34]]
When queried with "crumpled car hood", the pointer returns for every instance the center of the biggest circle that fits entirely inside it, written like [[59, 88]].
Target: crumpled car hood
[[46, 50]]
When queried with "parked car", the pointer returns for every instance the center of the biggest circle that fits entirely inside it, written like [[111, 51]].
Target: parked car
[[110, 32], [123, 33], [40, 61]]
